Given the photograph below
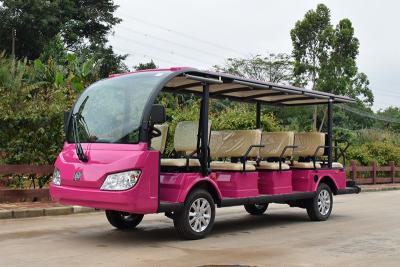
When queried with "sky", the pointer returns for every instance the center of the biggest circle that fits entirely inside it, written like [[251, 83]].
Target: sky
[[205, 33]]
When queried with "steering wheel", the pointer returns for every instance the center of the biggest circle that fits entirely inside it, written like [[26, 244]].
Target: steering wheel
[[154, 131]]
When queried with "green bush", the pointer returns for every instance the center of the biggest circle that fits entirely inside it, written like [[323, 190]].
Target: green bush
[[381, 152], [34, 96]]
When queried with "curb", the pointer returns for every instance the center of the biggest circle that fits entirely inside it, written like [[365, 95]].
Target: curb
[[392, 188], [38, 212]]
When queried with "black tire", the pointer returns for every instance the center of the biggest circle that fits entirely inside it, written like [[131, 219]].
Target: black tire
[[256, 209], [182, 222], [123, 220], [320, 212]]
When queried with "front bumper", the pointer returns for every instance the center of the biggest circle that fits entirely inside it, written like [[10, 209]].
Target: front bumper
[[351, 188], [133, 201]]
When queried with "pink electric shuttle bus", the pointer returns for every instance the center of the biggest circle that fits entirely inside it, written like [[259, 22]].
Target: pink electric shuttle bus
[[113, 157]]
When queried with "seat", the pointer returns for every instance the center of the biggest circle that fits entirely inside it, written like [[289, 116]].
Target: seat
[[307, 144], [276, 147], [185, 140], [158, 143], [230, 166], [233, 144], [180, 162]]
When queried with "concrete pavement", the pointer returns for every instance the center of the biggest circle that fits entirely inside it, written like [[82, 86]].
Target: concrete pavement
[[362, 231]]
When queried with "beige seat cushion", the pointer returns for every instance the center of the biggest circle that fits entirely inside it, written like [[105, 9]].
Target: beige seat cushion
[[336, 165], [229, 166], [307, 144], [158, 143], [274, 144], [180, 162], [264, 165], [185, 138], [306, 165], [234, 143]]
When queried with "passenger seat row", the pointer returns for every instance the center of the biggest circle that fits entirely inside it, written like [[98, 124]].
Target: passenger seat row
[[234, 147]]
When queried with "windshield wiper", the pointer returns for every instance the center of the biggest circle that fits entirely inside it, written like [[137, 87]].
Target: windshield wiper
[[75, 132]]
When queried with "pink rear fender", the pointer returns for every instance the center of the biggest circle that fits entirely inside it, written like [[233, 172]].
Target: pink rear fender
[[104, 159], [336, 179]]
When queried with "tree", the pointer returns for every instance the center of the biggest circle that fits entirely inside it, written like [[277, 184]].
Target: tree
[[391, 119], [274, 67], [325, 58], [146, 66], [82, 25]]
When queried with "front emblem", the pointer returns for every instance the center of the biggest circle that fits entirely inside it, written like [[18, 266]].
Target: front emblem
[[77, 176]]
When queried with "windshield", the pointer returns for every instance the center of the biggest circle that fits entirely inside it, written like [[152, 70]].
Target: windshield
[[110, 111]]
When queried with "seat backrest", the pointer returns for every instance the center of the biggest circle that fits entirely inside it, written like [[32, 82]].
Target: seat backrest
[[158, 143], [234, 143], [307, 144], [274, 144], [185, 138]]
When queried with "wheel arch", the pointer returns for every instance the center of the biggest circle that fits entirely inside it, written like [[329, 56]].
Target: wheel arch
[[330, 182], [207, 185]]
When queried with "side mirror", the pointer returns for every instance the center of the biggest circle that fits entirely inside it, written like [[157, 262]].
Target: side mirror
[[157, 115], [66, 120]]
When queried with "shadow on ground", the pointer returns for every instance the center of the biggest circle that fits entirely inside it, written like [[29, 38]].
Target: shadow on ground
[[156, 235]]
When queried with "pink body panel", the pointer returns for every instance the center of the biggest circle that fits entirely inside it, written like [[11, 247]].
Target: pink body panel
[[144, 197], [303, 180], [104, 159], [275, 182], [237, 184], [174, 187]]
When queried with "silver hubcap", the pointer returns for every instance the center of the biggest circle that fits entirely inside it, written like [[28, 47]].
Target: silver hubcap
[[324, 202], [199, 215]]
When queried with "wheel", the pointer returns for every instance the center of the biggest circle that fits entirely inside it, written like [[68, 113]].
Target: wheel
[[319, 208], [123, 220], [256, 209], [196, 219]]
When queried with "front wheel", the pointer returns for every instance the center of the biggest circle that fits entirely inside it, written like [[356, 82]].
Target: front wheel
[[196, 219], [319, 208], [123, 220], [256, 209]]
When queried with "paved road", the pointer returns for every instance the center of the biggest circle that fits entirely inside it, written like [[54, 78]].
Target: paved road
[[364, 230]]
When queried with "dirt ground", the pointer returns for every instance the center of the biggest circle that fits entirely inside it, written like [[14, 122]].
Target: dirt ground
[[364, 230]]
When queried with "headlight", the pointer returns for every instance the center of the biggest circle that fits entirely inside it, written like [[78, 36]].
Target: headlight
[[56, 179], [121, 181]]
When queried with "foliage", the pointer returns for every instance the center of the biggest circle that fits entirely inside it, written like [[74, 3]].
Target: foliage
[[43, 27], [381, 152], [325, 57], [394, 114], [274, 67], [34, 97], [146, 66]]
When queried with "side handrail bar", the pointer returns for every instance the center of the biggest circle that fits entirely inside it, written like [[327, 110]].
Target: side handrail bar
[[244, 158], [316, 152], [283, 153]]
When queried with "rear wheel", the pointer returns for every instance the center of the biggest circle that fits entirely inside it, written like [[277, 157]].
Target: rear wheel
[[319, 208], [123, 220], [256, 209], [196, 219]]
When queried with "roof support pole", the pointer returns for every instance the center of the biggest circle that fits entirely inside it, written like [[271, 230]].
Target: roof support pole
[[258, 115], [204, 130], [330, 129]]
